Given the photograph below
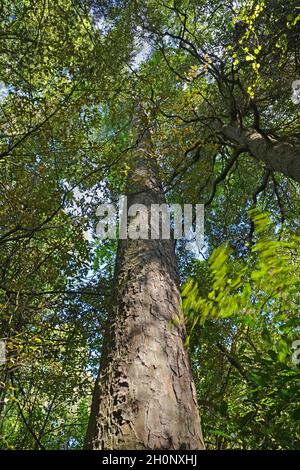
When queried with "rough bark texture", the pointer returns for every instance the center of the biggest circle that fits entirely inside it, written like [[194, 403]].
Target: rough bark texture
[[144, 396], [278, 156]]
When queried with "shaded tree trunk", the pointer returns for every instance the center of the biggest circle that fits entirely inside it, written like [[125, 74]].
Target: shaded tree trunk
[[144, 396]]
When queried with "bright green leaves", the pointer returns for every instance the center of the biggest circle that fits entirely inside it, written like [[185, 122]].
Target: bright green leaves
[[292, 20], [268, 277], [242, 317], [245, 21]]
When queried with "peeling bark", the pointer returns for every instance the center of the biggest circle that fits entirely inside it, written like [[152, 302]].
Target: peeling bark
[[144, 396], [278, 156]]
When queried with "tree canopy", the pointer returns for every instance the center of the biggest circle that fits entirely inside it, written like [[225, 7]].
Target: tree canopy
[[215, 80]]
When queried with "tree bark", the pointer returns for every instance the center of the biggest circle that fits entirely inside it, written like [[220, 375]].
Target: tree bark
[[144, 396], [278, 156]]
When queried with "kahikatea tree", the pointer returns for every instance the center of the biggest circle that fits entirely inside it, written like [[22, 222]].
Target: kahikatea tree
[[215, 80], [145, 396]]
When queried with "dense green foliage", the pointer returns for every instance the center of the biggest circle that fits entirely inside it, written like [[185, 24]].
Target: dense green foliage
[[71, 75], [247, 316]]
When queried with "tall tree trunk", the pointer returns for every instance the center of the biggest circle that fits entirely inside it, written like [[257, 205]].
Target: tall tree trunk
[[144, 396]]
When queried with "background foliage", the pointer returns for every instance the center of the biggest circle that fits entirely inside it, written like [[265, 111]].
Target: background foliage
[[71, 75]]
